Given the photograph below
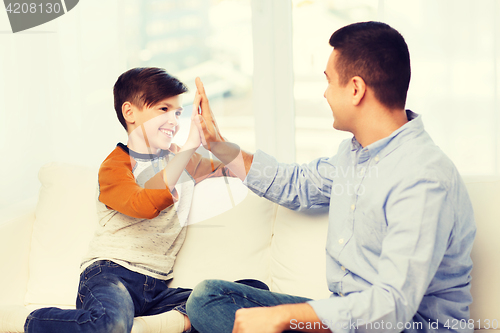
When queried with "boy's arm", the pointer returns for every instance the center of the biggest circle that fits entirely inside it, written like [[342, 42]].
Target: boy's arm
[[119, 191], [173, 171]]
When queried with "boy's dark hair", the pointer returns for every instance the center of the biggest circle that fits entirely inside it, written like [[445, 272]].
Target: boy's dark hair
[[144, 86], [379, 55]]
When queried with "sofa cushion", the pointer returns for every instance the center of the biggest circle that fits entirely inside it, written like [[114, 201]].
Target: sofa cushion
[[64, 224], [485, 197], [298, 254]]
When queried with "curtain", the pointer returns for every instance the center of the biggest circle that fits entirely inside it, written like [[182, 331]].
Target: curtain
[[56, 101]]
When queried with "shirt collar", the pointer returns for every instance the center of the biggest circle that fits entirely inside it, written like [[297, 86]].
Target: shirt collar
[[384, 146], [142, 156]]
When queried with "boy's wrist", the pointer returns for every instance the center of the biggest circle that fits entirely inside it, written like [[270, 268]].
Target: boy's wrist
[[190, 146]]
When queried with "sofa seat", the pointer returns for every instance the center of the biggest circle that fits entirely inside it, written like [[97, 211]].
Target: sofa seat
[[232, 234]]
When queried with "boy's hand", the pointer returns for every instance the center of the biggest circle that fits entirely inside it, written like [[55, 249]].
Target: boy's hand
[[194, 138], [207, 124]]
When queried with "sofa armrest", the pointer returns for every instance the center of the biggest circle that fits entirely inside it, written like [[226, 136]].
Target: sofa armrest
[[15, 244]]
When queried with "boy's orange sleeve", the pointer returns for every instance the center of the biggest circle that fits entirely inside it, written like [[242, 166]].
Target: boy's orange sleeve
[[119, 191]]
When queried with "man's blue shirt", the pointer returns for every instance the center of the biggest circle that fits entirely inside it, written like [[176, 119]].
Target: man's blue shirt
[[401, 229]]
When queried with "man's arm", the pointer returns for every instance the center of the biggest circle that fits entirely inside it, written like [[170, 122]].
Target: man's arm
[[293, 186], [201, 168]]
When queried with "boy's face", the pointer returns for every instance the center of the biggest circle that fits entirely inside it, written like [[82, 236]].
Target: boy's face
[[156, 125]]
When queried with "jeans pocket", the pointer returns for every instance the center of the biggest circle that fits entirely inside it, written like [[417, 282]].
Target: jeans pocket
[[80, 296], [80, 301], [91, 271]]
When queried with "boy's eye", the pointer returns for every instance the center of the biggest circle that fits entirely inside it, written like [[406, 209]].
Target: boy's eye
[[164, 109], [178, 113]]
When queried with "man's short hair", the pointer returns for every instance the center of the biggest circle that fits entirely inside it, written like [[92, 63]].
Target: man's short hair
[[145, 86], [379, 55]]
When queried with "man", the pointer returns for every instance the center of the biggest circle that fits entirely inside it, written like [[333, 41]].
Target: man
[[398, 245]]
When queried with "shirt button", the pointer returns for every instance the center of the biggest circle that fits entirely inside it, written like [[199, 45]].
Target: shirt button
[[376, 158], [341, 241], [353, 206]]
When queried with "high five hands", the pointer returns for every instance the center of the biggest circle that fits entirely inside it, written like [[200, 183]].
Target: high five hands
[[205, 122]]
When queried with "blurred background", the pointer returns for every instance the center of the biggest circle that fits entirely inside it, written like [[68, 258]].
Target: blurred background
[[262, 63]]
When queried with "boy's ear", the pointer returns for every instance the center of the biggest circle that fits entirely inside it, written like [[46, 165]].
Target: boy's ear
[[128, 112]]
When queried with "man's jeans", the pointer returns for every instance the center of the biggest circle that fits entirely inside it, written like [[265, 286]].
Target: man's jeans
[[109, 297], [213, 303]]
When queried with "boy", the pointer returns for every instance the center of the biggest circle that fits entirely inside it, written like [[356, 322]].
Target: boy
[[145, 191]]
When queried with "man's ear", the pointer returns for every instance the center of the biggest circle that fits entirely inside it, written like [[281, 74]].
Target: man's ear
[[358, 90], [128, 112]]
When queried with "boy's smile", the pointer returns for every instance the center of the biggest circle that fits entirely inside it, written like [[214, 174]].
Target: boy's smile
[[168, 132], [154, 127]]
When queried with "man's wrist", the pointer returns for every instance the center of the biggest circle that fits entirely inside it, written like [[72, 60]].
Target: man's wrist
[[285, 315], [225, 151], [214, 144]]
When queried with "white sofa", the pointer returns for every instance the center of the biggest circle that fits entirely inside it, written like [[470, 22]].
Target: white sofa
[[233, 234]]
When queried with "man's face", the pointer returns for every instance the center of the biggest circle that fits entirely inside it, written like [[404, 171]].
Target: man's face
[[337, 95], [158, 124]]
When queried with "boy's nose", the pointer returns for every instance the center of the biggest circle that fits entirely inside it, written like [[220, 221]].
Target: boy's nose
[[172, 120]]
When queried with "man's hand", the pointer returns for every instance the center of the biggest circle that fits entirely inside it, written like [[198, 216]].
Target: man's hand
[[238, 161], [260, 320], [276, 319], [208, 125]]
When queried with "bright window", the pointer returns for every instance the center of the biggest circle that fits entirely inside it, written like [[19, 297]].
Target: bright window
[[455, 55], [209, 39]]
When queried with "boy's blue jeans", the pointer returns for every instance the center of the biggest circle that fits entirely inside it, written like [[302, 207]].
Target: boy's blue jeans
[[109, 297], [213, 303]]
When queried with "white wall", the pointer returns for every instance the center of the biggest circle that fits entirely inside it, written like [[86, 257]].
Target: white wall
[[56, 99]]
